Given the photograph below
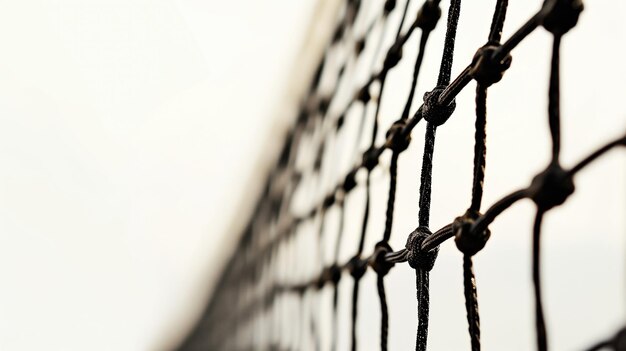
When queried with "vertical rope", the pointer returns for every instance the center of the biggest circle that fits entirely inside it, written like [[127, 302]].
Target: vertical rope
[[480, 151], [365, 215], [355, 300], [384, 312], [426, 174], [471, 302], [333, 345], [480, 147], [542, 338], [320, 248], [384, 322], [423, 297], [480, 158], [391, 198], [445, 69], [342, 214], [554, 110], [416, 71], [357, 279]]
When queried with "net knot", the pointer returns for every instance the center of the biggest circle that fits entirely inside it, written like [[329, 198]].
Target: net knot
[[319, 158], [378, 262], [389, 6], [364, 94], [352, 11], [350, 181], [434, 112], [467, 241], [398, 141], [329, 200], [551, 187], [339, 31], [559, 16], [357, 267], [418, 258], [299, 289], [359, 46], [329, 274], [394, 55], [340, 122], [334, 272], [323, 105], [485, 69], [428, 16], [303, 116], [370, 158]]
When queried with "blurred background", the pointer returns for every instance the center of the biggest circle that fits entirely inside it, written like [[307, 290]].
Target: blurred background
[[135, 137]]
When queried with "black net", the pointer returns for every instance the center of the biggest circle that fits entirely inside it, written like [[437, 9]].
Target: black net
[[281, 288]]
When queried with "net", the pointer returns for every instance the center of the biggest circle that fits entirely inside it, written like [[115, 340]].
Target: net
[[281, 288]]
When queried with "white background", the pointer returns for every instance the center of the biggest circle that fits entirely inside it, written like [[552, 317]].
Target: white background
[[134, 134]]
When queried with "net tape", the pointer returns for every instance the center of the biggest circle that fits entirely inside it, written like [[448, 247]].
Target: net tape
[[250, 286]]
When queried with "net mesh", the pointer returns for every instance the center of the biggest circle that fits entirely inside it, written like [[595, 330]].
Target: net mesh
[[281, 288]]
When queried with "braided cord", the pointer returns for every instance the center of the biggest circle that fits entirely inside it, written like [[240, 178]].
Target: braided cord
[[422, 280]]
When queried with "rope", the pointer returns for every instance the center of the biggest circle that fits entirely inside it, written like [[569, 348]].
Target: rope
[[257, 279]]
